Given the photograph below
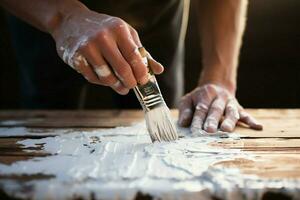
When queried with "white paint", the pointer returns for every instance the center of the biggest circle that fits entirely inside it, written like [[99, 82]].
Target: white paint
[[210, 122], [196, 123], [12, 122], [21, 131], [70, 48], [160, 124], [116, 163], [102, 71], [232, 108], [201, 106], [4, 132], [69, 52], [227, 124], [100, 23]]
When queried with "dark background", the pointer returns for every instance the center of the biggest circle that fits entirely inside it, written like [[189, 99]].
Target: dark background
[[269, 70]]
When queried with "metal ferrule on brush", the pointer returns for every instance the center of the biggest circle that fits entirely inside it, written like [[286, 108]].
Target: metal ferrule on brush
[[149, 94], [157, 115]]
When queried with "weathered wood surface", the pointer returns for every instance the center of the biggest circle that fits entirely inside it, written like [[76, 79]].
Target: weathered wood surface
[[276, 148]]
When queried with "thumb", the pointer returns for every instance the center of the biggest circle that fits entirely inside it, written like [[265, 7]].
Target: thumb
[[155, 66]]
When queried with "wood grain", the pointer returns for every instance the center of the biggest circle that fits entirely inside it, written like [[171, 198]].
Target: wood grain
[[277, 147]]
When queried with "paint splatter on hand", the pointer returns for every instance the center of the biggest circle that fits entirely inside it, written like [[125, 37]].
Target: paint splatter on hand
[[104, 49], [210, 106]]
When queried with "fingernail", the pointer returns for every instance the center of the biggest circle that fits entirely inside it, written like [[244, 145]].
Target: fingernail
[[210, 126], [226, 126], [124, 91], [257, 126]]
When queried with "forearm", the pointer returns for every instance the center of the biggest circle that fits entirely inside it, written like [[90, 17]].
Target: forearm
[[45, 15], [221, 28]]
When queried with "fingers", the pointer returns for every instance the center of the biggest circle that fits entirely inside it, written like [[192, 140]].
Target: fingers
[[231, 116], [215, 114], [81, 65], [100, 67], [129, 50], [199, 116], [185, 111], [249, 120], [114, 57], [155, 66], [135, 36], [119, 88], [204, 97]]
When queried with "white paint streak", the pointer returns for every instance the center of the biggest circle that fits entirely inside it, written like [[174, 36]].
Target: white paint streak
[[102, 71], [116, 163], [201, 106]]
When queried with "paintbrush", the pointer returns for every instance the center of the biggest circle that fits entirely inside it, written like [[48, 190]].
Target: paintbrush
[[157, 114]]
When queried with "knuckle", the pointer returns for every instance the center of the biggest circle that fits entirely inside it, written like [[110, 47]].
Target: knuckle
[[211, 119], [202, 107], [231, 109], [92, 80], [86, 47], [133, 31], [103, 35], [217, 108], [140, 72], [233, 113], [184, 98], [124, 72], [133, 55], [118, 23]]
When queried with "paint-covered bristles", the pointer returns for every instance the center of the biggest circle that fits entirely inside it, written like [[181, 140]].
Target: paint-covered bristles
[[160, 124]]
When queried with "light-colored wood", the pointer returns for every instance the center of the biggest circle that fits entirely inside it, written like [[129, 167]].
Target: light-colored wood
[[276, 148]]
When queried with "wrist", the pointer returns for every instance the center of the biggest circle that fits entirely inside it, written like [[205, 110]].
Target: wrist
[[65, 11], [220, 76]]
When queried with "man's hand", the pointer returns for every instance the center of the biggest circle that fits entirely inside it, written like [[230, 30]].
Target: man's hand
[[104, 49], [205, 106]]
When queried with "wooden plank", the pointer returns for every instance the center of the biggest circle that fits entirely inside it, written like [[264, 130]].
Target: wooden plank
[[7, 114], [258, 143], [275, 152], [274, 128], [104, 119], [10, 147], [267, 166], [75, 123]]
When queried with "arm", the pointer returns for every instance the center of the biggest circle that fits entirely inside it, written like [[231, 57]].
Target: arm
[[102, 48], [221, 26]]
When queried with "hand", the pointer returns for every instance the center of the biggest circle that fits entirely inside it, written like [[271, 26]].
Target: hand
[[205, 106], [104, 49]]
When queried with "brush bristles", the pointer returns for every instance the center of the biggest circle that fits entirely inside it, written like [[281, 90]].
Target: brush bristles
[[160, 124]]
